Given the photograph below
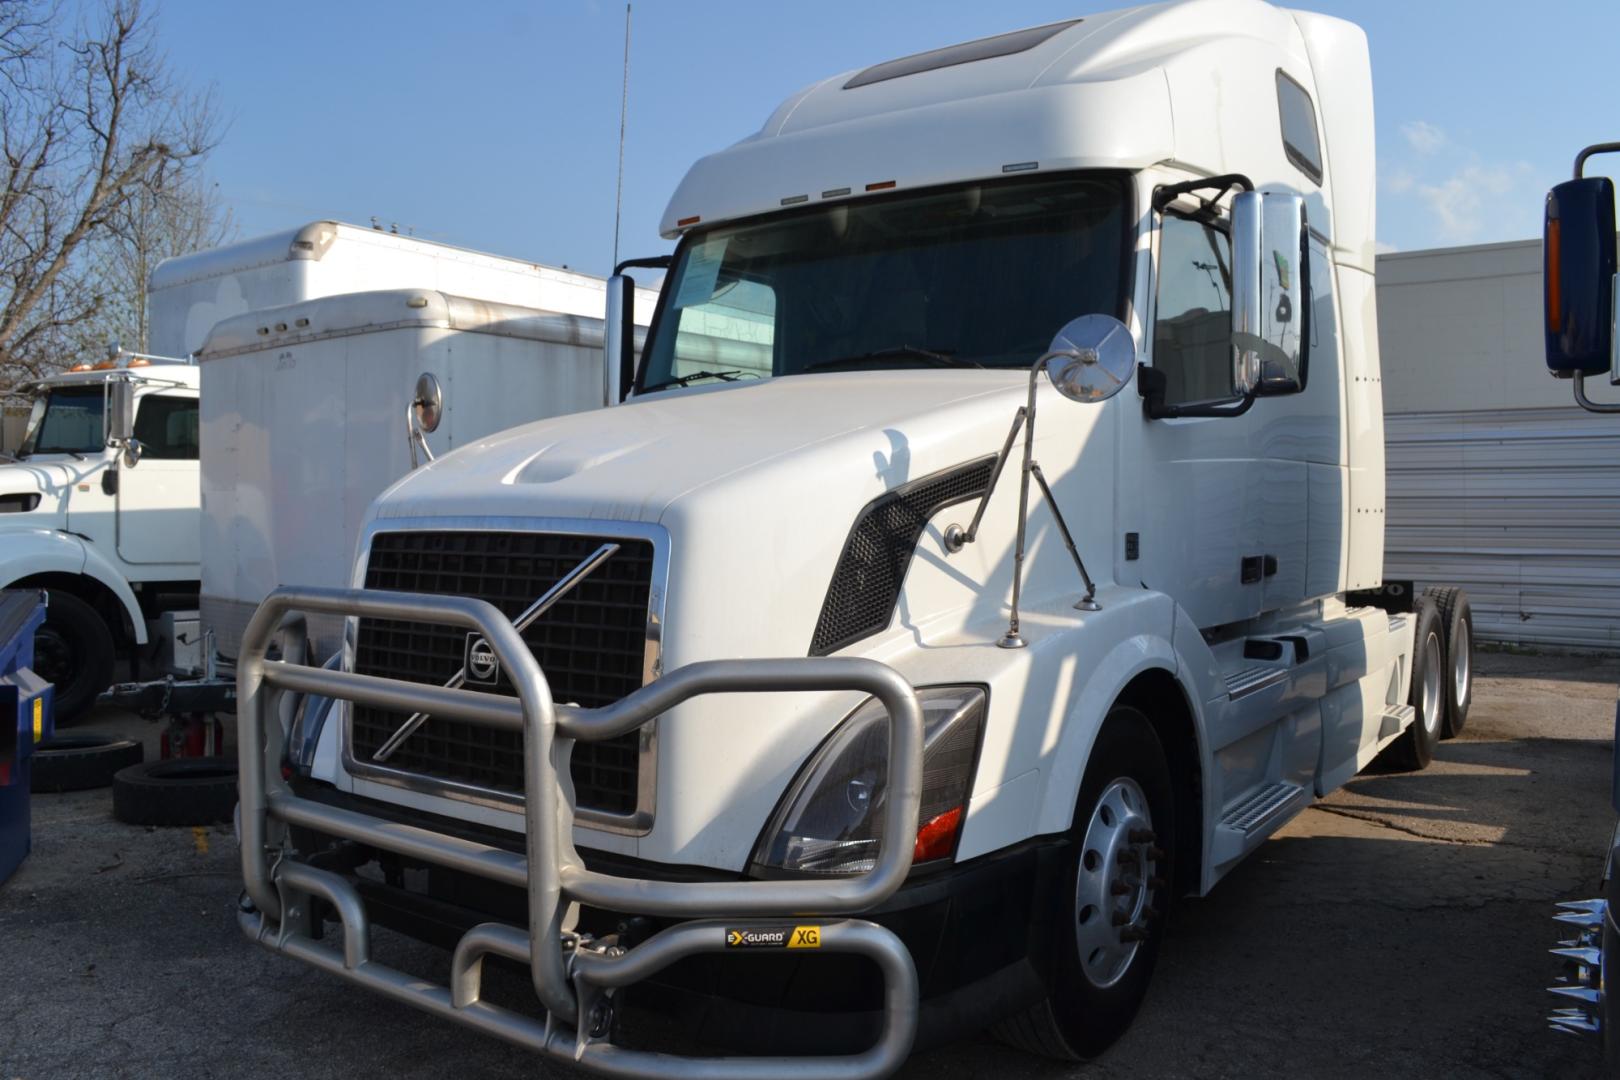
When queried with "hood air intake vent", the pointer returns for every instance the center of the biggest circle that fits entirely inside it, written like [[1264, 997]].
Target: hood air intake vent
[[866, 585]]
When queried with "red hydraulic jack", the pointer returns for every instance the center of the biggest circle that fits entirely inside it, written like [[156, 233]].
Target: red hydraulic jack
[[194, 735]]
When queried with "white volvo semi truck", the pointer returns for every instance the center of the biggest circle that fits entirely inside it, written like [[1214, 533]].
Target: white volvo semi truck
[[985, 558]]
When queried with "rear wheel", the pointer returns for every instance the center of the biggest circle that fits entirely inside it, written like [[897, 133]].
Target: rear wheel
[[1457, 620], [1115, 887], [73, 650], [1415, 747]]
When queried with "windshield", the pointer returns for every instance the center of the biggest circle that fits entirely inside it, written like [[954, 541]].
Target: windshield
[[979, 275], [66, 421]]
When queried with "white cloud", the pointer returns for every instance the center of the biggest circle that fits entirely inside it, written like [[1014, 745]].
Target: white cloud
[[1398, 181], [1381, 248], [1423, 136], [1464, 202]]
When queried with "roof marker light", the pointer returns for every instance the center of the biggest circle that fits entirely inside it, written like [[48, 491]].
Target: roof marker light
[[1021, 166], [794, 200], [139, 361], [105, 365], [80, 367], [881, 185], [835, 193], [685, 221]]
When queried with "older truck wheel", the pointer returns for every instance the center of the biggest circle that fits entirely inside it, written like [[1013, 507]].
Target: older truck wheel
[[1116, 889], [1415, 748], [73, 650]]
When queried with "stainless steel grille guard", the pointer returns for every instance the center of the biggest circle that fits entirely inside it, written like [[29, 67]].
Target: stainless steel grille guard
[[571, 979]]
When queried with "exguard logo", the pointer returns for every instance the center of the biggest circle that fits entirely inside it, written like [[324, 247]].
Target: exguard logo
[[774, 937]]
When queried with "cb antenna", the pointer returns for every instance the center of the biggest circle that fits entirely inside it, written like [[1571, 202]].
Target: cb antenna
[[624, 104]]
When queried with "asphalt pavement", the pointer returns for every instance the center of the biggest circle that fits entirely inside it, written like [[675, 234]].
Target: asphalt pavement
[[1397, 929]]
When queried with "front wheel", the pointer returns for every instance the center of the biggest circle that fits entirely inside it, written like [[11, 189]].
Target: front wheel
[[1116, 888], [73, 650]]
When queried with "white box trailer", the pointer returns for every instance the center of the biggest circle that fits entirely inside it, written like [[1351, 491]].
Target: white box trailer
[[304, 423], [189, 295]]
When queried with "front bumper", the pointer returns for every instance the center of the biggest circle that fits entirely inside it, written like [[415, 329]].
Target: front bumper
[[576, 974]]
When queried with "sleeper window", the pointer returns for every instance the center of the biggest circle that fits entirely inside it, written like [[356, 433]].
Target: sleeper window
[[1299, 136], [1192, 334]]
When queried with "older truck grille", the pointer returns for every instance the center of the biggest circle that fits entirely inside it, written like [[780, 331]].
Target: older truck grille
[[592, 647]]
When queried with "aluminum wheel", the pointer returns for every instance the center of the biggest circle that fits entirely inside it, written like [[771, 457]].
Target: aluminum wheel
[[1433, 691], [1462, 665], [1113, 883]]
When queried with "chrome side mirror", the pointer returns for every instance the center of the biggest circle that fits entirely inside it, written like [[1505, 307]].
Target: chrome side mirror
[[618, 338], [133, 449], [1270, 293], [118, 420], [428, 404], [1091, 359], [423, 415]]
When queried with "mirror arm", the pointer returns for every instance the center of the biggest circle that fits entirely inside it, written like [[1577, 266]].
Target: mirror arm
[[956, 538], [1150, 383], [414, 435], [1087, 602], [1587, 403]]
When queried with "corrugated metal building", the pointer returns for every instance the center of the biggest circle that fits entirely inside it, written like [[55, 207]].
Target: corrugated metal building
[[1497, 481]]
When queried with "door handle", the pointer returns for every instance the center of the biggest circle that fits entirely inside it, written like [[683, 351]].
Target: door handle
[[109, 482], [1257, 567]]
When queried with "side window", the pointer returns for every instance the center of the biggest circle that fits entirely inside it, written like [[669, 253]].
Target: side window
[[1298, 115], [166, 426], [1192, 331]]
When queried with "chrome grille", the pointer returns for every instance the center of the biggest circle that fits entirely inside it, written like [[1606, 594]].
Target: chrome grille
[[592, 646]]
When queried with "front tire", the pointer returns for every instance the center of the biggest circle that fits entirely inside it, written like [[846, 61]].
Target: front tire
[[1116, 888], [73, 650]]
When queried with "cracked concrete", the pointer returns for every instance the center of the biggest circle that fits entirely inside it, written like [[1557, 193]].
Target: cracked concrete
[[1397, 929]]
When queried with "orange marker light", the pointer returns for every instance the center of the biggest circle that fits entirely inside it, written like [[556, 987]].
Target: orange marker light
[[139, 362], [80, 367], [881, 185], [936, 839], [685, 221]]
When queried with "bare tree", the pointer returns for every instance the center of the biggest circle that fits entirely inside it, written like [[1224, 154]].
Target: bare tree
[[156, 222], [90, 122]]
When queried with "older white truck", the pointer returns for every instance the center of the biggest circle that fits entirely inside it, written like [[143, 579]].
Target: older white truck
[[820, 695], [99, 507]]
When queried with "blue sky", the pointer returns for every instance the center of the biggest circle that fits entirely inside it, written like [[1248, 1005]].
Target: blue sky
[[494, 125]]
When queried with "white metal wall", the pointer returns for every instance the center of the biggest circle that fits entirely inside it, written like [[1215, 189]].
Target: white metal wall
[[1497, 481]]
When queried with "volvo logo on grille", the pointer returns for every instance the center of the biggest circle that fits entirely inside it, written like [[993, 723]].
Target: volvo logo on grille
[[481, 664]]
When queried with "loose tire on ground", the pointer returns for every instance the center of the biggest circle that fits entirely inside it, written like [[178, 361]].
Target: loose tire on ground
[[179, 791], [1415, 747], [1457, 620], [80, 761], [1083, 1014], [73, 650]]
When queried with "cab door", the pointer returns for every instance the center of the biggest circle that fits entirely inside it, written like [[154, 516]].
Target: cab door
[[158, 499]]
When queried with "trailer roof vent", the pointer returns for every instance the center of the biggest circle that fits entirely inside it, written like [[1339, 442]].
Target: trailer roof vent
[[966, 53]]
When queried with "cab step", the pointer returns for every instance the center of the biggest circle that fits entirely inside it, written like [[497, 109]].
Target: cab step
[[1396, 718], [1252, 814]]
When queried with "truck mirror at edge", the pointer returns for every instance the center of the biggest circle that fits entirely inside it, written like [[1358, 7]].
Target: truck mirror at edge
[[1578, 278], [1270, 293], [119, 422], [618, 339]]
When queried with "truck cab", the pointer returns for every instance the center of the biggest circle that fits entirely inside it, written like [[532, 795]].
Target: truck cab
[[99, 506], [977, 567]]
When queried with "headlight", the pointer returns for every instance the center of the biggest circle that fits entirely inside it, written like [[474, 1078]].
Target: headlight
[[831, 820]]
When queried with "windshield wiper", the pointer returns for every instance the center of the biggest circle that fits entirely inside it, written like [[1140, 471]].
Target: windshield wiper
[[682, 380], [932, 357]]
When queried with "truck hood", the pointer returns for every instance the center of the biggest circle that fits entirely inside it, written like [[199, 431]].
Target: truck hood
[[47, 478], [632, 462]]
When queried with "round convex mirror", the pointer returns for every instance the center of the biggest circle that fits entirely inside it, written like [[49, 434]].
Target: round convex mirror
[[1091, 359], [429, 402]]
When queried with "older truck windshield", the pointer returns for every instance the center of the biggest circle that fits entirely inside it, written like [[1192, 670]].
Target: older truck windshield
[[979, 275], [66, 421]]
